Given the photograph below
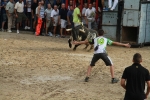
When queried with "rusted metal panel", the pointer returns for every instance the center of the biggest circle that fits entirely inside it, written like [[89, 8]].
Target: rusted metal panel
[[110, 32], [109, 18], [131, 18], [131, 4]]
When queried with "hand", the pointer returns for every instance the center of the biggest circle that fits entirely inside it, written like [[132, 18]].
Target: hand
[[75, 42], [127, 45], [69, 23], [16, 16], [32, 17]]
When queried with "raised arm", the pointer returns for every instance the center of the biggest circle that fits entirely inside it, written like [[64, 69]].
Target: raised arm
[[121, 44]]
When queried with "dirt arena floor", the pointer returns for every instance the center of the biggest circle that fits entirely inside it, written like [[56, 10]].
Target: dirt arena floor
[[45, 68]]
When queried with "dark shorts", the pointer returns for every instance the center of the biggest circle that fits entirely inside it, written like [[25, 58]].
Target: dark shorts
[[4, 18], [102, 56], [21, 17], [29, 16]]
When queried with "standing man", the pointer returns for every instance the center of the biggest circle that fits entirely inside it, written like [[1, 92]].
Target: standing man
[[3, 13], [77, 15], [63, 19], [114, 4], [100, 44], [28, 13], [70, 4], [83, 13], [10, 13], [48, 17], [19, 12], [41, 15], [90, 17], [134, 78], [33, 8], [55, 18], [70, 17]]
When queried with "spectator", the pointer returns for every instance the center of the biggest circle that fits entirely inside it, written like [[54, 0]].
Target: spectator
[[55, 17], [58, 3], [135, 77], [33, 8], [28, 14], [114, 4], [70, 17], [83, 13], [77, 15], [41, 15], [36, 10], [3, 13], [19, 12], [63, 19], [10, 12], [70, 4], [48, 17], [90, 17]]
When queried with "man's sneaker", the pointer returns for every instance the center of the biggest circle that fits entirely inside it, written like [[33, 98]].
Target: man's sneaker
[[2, 30], [86, 79], [114, 80], [17, 31], [9, 31], [26, 27]]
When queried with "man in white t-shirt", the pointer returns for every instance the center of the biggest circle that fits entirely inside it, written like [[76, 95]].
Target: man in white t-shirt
[[100, 44], [90, 14], [55, 18], [83, 13]]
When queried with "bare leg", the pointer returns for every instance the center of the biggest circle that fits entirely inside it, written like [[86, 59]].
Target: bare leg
[[89, 71], [54, 30], [3, 25], [61, 31], [112, 71], [46, 30], [18, 26]]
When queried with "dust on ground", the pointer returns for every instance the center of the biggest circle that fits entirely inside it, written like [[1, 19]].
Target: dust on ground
[[45, 68]]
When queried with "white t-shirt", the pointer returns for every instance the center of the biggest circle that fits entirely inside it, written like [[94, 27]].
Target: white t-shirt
[[90, 14], [19, 7], [102, 43], [55, 14], [83, 13], [28, 5]]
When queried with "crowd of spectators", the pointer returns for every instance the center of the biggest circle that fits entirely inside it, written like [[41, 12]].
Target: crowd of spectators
[[54, 16]]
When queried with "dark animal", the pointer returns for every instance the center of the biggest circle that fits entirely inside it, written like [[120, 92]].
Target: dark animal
[[81, 33]]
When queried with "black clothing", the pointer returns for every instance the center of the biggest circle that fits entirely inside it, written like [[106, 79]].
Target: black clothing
[[63, 14], [136, 76], [34, 6]]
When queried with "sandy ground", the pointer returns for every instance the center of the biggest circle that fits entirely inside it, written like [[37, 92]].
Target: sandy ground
[[45, 68]]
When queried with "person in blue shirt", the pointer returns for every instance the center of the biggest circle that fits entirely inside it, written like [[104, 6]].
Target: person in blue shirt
[[70, 16], [4, 16]]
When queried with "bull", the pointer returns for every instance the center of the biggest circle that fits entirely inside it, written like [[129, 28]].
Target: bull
[[81, 33]]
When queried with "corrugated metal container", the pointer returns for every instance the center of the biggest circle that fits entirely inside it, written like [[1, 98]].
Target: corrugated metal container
[[131, 18], [110, 32], [144, 28], [131, 4], [109, 18]]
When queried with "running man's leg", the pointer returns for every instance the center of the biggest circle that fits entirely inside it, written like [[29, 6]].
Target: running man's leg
[[95, 58], [108, 62]]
